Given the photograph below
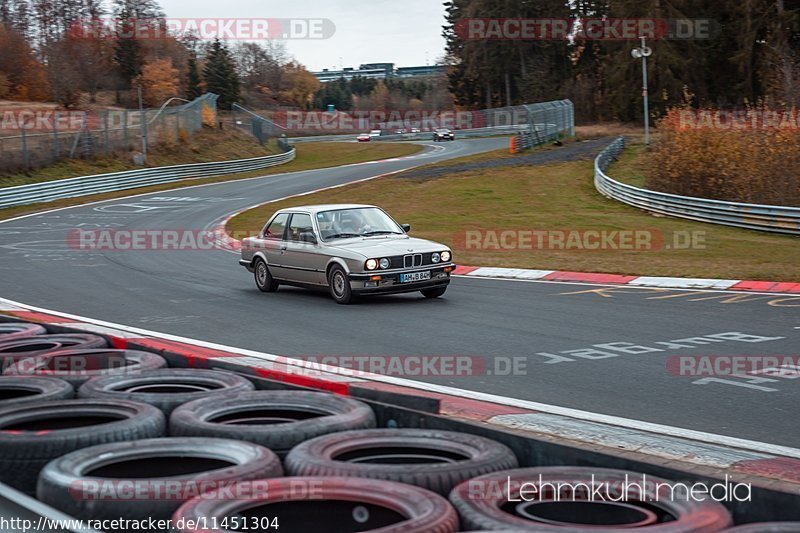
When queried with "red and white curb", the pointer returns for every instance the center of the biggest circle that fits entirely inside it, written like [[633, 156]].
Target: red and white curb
[[677, 446], [635, 281]]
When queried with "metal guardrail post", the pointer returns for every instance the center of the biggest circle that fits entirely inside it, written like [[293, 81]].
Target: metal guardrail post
[[25, 155], [56, 148]]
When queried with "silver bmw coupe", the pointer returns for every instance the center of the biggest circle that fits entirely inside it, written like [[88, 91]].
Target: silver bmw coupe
[[349, 249]]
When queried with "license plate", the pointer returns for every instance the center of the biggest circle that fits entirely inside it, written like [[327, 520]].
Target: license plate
[[415, 276]]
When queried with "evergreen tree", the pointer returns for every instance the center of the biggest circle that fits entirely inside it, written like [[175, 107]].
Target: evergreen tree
[[193, 80], [128, 55], [220, 75]]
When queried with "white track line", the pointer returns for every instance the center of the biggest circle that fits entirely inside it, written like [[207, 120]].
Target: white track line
[[658, 429], [731, 292]]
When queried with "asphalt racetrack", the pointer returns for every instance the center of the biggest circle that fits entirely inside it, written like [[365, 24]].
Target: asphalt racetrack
[[594, 348]]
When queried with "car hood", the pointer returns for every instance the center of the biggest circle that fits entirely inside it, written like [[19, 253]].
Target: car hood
[[372, 247]]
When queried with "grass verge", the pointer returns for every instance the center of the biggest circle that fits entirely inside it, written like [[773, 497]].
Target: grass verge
[[632, 165], [309, 156], [553, 197]]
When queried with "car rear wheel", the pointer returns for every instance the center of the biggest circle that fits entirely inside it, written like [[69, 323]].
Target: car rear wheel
[[264, 280], [339, 286], [434, 293]]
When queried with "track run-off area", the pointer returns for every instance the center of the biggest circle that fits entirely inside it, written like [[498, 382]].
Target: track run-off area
[[599, 349]]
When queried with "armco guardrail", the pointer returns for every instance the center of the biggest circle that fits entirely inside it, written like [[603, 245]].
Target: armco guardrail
[[776, 219], [131, 179]]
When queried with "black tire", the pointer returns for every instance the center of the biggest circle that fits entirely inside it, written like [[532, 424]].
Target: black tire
[[339, 286], [327, 504], [432, 459], [162, 474], [18, 389], [15, 350], [434, 293], [78, 366], [32, 434], [11, 331], [263, 277], [166, 388], [287, 417], [482, 503]]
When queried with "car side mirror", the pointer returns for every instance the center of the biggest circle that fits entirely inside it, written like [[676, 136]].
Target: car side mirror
[[309, 237], [406, 227]]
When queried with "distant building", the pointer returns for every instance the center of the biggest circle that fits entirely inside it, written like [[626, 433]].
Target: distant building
[[326, 75], [378, 71], [388, 68], [429, 70]]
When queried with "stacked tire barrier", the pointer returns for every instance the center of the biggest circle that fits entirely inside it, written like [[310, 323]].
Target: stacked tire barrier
[[103, 434]]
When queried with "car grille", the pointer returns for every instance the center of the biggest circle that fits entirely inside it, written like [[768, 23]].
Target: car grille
[[411, 260]]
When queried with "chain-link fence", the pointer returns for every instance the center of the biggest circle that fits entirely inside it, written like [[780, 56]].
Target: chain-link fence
[[543, 121], [259, 127], [31, 138]]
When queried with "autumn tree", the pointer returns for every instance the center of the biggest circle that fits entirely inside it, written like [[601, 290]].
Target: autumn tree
[[129, 53], [159, 81], [301, 86], [24, 74]]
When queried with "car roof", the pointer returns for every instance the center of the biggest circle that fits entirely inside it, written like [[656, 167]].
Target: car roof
[[313, 209]]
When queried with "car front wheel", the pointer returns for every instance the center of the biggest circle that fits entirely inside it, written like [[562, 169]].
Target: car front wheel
[[339, 285], [433, 293], [264, 280]]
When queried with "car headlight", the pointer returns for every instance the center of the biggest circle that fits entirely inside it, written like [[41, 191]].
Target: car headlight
[[446, 256], [436, 257], [385, 263], [371, 264]]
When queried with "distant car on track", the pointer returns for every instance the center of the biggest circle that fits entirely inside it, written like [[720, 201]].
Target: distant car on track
[[375, 133], [443, 134], [364, 138], [349, 249]]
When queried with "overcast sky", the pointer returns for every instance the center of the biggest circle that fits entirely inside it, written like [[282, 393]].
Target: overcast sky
[[405, 32]]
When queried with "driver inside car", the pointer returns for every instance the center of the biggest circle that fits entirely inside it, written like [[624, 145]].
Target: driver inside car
[[354, 222]]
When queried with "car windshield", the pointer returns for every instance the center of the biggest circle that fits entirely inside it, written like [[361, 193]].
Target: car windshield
[[442, 131], [356, 222]]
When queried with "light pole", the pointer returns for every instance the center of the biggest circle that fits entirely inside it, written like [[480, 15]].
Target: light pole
[[643, 53], [144, 123]]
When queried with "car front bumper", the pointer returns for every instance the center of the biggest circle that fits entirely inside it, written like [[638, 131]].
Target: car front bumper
[[389, 282]]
